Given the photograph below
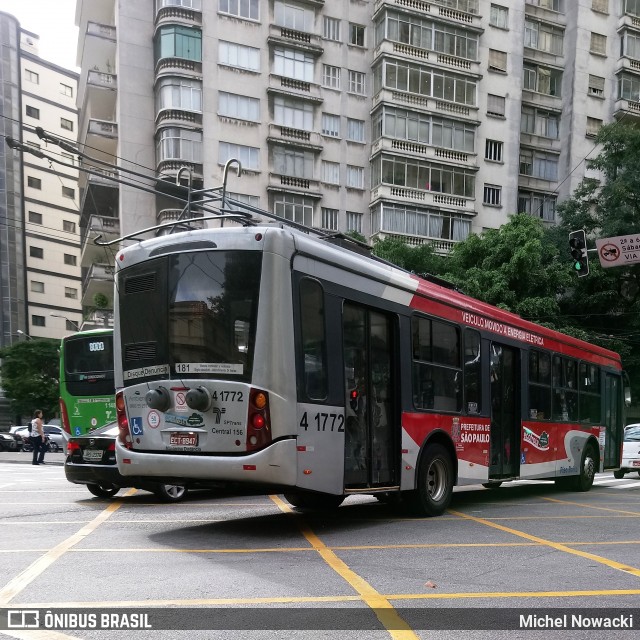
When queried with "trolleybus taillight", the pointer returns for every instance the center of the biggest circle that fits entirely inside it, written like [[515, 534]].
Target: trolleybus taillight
[[124, 435], [258, 423]]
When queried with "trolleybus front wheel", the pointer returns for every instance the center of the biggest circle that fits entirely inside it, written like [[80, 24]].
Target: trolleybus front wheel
[[584, 481], [319, 501], [435, 482]]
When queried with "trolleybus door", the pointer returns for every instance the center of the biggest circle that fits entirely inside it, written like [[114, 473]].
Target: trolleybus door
[[504, 451], [612, 420], [370, 445]]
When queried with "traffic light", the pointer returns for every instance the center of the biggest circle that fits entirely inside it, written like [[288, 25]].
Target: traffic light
[[578, 247]]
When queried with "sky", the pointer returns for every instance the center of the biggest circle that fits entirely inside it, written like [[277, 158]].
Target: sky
[[54, 22]]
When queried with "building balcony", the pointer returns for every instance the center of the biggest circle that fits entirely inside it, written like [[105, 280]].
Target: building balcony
[[438, 60], [178, 117], [97, 49], [426, 104], [425, 152], [98, 278], [545, 14], [296, 88], [98, 191], [178, 15], [439, 245], [101, 136], [554, 103], [543, 57], [628, 22], [423, 198], [540, 142], [627, 64], [280, 134], [173, 215], [98, 319], [626, 108], [105, 227], [431, 10], [309, 187], [98, 95], [180, 67], [303, 40], [172, 166]]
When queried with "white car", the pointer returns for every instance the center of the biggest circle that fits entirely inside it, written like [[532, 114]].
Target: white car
[[630, 451]]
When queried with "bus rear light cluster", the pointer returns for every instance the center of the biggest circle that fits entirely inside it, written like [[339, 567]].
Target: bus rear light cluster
[[258, 423], [124, 434], [72, 446]]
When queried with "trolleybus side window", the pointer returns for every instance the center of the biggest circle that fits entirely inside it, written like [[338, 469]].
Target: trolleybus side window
[[589, 380], [539, 385], [436, 370], [565, 389], [472, 372], [314, 348]]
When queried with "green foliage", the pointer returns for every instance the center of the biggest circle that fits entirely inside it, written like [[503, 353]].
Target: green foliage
[[420, 260], [29, 375]]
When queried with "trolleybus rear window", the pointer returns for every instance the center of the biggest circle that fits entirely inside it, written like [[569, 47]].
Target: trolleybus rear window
[[190, 315]]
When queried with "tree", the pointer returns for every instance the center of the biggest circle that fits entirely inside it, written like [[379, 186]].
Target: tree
[[420, 260], [514, 267], [29, 374], [606, 304]]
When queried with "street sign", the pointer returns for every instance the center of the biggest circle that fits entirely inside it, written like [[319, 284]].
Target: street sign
[[619, 251]]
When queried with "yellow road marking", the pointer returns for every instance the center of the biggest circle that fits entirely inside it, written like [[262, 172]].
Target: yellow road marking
[[470, 595], [22, 580], [590, 506], [381, 606], [554, 545]]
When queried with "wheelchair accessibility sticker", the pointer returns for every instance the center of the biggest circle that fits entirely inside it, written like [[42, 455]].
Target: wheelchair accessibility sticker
[[136, 426]]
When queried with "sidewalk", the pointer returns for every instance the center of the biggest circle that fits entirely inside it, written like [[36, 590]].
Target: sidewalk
[[25, 457]]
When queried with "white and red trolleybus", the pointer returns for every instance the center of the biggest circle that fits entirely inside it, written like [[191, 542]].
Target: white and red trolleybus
[[266, 356]]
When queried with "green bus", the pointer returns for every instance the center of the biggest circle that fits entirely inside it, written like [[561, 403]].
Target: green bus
[[87, 393]]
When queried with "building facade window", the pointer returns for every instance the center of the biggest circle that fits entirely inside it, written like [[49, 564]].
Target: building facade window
[[497, 60], [292, 162], [354, 221], [292, 63], [543, 37], [68, 226], [331, 29], [330, 125], [600, 5], [68, 192], [32, 112], [232, 105], [499, 16], [493, 150], [539, 205], [35, 217], [179, 93], [174, 143], [630, 44], [296, 114], [37, 287], [330, 172], [355, 130], [66, 90], [36, 252], [540, 122], [542, 79], [598, 44], [495, 105], [31, 76], [70, 259], [249, 157], [593, 126], [596, 86], [330, 76], [34, 183], [329, 219], [295, 208], [539, 164], [66, 124], [292, 15], [553, 5], [357, 82], [248, 9], [492, 195], [175, 41], [239, 56], [71, 293], [355, 177], [38, 321], [356, 34]]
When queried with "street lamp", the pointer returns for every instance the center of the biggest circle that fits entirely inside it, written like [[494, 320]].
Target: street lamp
[[75, 324], [22, 333]]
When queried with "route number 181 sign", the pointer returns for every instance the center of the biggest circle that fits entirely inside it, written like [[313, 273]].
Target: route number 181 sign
[[618, 251]]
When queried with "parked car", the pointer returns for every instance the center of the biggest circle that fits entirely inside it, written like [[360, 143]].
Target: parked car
[[57, 437], [91, 460], [10, 442], [630, 451]]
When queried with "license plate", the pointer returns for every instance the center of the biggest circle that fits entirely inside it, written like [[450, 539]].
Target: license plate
[[183, 439], [91, 455], [636, 463]]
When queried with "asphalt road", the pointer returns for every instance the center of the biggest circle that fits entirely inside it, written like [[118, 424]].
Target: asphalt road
[[514, 562]]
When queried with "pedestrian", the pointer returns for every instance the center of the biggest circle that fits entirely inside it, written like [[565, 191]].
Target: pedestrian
[[37, 437]]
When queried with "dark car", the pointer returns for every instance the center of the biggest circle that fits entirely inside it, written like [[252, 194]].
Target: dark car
[[91, 460], [10, 442]]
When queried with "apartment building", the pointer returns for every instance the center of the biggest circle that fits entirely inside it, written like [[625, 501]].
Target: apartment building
[[40, 279], [425, 120]]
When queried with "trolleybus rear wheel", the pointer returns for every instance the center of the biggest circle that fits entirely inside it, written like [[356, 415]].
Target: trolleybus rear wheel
[[320, 501], [435, 482]]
